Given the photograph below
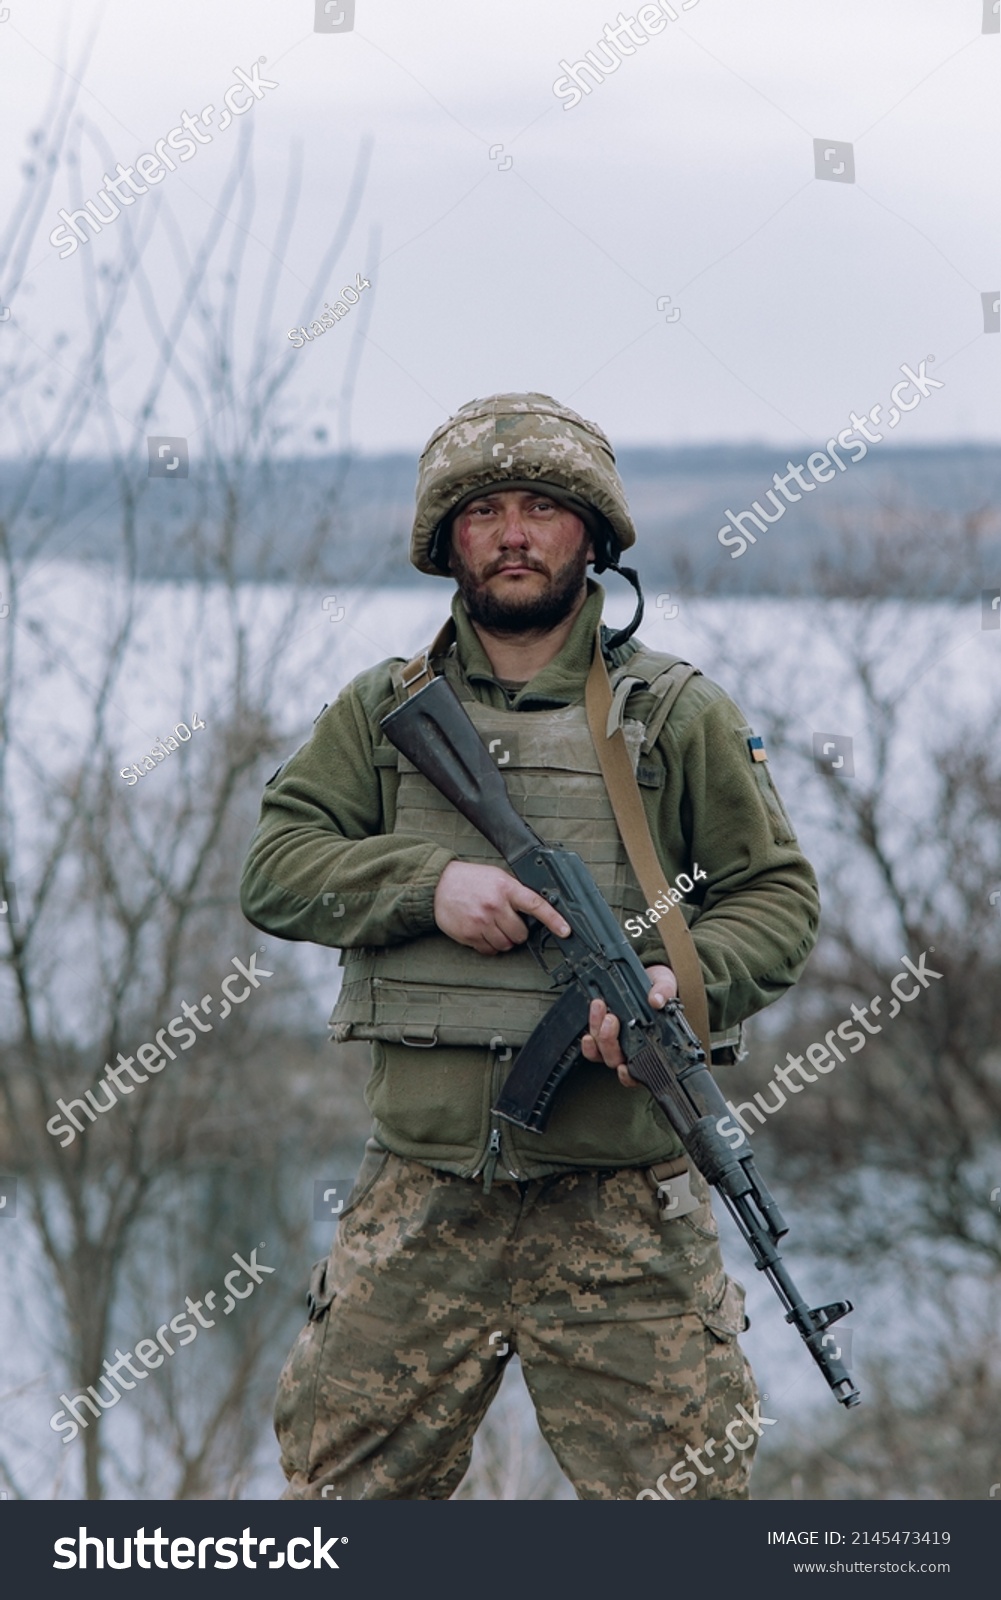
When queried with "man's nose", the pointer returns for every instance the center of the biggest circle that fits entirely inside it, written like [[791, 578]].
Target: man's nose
[[514, 530]]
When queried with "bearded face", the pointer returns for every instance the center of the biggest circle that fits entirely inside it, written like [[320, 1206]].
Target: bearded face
[[520, 560]]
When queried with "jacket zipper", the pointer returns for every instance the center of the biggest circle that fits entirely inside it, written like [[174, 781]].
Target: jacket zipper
[[495, 1148], [493, 1155]]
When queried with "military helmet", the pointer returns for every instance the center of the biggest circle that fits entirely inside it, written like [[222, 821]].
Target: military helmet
[[518, 441]]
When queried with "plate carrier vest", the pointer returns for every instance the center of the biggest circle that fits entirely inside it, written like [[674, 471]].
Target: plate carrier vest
[[433, 991]]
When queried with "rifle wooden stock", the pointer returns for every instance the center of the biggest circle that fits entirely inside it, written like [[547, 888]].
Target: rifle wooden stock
[[434, 732]]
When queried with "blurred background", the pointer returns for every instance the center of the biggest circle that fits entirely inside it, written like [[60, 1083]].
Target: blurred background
[[724, 251]]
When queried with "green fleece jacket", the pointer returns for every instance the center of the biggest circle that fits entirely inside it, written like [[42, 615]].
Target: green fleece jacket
[[326, 831]]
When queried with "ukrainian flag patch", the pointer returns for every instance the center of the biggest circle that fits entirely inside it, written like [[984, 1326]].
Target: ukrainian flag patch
[[756, 745]]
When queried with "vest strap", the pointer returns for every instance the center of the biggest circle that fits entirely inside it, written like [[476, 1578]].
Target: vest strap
[[664, 675], [616, 710], [627, 804], [668, 686], [418, 671]]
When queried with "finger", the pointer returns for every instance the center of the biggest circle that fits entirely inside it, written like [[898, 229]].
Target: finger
[[607, 1039], [664, 985], [486, 939], [592, 1052], [603, 1032], [533, 905], [596, 1014], [508, 924], [612, 1051], [601, 1050]]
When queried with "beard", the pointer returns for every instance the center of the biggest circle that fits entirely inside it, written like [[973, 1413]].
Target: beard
[[541, 612]]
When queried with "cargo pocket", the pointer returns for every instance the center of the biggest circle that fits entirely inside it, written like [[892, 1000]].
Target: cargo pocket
[[731, 1394], [318, 1295], [727, 1318], [295, 1412]]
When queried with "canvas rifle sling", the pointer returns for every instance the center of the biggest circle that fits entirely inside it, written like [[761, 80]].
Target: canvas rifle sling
[[627, 804]]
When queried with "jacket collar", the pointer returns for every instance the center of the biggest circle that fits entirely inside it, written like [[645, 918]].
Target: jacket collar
[[558, 684]]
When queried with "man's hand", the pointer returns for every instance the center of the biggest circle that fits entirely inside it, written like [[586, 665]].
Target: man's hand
[[601, 1042], [480, 906]]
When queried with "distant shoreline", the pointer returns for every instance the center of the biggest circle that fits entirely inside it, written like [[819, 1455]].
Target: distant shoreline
[[337, 519]]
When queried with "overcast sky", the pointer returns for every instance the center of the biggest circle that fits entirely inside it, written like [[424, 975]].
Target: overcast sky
[[523, 242]]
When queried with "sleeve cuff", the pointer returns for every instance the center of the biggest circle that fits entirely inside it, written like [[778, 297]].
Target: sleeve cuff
[[417, 904]]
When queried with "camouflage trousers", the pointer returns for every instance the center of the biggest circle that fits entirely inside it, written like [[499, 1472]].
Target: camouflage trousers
[[626, 1327]]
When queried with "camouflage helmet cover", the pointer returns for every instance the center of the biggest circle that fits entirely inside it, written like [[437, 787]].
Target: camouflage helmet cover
[[517, 441]]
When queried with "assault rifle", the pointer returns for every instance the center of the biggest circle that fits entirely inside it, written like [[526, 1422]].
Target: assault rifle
[[597, 961]]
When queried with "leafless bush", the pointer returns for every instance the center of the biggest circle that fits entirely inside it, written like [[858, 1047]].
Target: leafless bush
[[127, 897]]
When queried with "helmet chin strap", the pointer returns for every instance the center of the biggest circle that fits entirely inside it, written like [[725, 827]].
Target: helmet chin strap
[[614, 640]]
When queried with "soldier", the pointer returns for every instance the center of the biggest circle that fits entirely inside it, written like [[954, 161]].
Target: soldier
[[466, 1240]]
